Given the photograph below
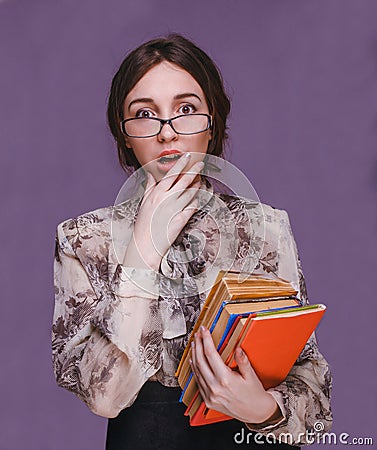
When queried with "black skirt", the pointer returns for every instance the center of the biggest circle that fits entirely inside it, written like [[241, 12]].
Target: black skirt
[[156, 421]]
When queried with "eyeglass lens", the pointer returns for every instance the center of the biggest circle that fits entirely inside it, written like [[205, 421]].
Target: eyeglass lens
[[184, 125]]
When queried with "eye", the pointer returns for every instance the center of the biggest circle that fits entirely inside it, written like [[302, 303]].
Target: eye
[[143, 113], [187, 109]]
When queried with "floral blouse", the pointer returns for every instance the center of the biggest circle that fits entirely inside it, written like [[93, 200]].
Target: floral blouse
[[115, 327]]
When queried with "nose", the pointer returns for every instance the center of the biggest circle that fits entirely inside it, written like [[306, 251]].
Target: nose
[[167, 133]]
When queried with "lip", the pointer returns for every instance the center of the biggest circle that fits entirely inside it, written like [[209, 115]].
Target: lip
[[165, 166], [168, 152]]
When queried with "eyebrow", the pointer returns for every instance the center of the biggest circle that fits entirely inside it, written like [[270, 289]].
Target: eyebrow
[[176, 97]]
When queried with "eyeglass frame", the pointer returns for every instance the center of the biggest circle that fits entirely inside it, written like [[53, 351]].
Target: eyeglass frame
[[163, 122]]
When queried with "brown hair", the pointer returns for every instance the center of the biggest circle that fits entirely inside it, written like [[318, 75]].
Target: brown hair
[[184, 53]]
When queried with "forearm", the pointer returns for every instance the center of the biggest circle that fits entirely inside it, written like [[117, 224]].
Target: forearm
[[102, 376], [271, 413]]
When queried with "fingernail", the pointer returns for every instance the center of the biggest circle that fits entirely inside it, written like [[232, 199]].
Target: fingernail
[[187, 155], [242, 354], [192, 344], [202, 328]]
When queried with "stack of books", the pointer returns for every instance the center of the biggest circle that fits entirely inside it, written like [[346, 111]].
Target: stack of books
[[262, 315]]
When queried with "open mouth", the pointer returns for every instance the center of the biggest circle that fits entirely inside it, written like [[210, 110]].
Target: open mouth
[[169, 158]]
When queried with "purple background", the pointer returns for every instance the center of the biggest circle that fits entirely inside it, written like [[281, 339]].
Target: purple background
[[302, 76]]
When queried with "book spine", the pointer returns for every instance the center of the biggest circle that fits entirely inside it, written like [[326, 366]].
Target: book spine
[[186, 386], [217, 316], [231, 320]]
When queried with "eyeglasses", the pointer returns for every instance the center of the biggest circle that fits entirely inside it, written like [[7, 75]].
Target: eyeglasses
[[143, 127]]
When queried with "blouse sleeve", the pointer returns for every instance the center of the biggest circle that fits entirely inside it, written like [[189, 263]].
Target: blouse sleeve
[[106, 335], [304, 396]]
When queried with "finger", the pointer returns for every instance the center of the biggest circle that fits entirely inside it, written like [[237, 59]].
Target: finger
[[187, 196], [203, 385], [245, 368], [189, 177], [196, 179], [184, 216], [215, 362], [168, 180], [192, 207], [186, 211], [200, 381], [201, 362]]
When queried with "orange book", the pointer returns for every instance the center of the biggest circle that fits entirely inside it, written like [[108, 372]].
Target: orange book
[[232, 287], [272, 341]]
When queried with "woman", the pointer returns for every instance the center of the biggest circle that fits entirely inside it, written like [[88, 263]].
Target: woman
[[120, 325]]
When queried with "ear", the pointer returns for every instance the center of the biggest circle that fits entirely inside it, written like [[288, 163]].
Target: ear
[[210, 130]]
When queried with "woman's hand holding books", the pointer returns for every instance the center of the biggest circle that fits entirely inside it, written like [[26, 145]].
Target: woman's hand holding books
[[236, 393]]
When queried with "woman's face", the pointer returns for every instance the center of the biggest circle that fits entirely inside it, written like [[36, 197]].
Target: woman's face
[[166, 91]]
